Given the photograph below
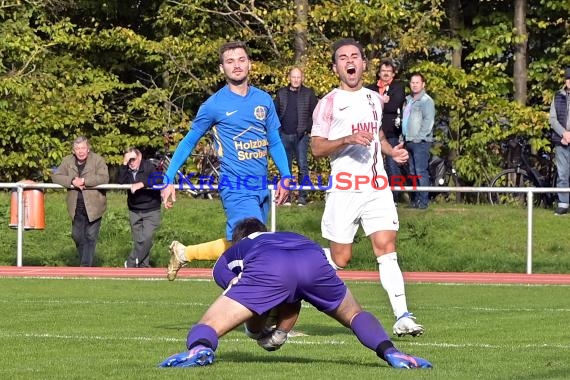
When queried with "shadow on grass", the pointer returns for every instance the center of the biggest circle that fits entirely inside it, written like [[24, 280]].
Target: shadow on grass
[[244, 357]]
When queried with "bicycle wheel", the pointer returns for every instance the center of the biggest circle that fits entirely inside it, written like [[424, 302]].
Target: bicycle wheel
[[452, 180], [210, 178], [512, 178]]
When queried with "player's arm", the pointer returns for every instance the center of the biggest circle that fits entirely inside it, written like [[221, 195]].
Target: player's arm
[[277, 152], [398, 153], [222, 272], [201, 124], [322, 147]]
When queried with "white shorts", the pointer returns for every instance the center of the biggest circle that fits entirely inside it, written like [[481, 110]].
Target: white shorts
[[345, 210]]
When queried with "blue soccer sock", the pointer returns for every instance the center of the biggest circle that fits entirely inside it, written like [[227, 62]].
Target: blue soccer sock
[[369, 331], [202, 334]]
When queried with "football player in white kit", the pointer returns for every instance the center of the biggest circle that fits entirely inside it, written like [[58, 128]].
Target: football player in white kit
[[346, 127]]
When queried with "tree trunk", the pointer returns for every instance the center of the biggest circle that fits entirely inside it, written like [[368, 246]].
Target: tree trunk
[[520, 70], [301, 12], [455, 17]]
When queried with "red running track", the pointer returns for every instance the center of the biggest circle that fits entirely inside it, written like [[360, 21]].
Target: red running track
[[438, 277]]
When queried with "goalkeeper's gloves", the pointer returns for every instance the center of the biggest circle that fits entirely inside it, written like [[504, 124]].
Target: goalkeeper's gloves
[[273, 341]]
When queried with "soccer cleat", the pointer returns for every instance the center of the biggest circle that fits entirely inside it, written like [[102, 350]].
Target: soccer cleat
[[406, 325], [196, 357], [405, 361], [176, 251]]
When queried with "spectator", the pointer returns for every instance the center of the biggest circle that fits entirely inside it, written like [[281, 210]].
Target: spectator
[[346, 127], [268, 280], [79, 172], [144, 206], [417, 128], [560, 124], [295, 104], [246, 130], [393, 94]]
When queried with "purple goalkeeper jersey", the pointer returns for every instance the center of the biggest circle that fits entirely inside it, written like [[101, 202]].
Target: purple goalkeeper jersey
[[276, 268]]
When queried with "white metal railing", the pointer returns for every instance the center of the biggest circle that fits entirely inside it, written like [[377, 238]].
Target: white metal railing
[[21, 186]]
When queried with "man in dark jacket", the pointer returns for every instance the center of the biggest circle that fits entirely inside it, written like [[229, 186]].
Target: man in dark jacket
[[393, 95], [144, 206], [295, 104], [560, 124]]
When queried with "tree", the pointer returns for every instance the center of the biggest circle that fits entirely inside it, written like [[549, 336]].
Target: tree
[[520, 71]]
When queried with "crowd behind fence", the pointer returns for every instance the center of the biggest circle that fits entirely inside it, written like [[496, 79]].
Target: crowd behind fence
[[20, 187]]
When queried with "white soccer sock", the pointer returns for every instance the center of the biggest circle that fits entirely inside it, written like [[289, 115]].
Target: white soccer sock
[[392, 281], [330, 259]]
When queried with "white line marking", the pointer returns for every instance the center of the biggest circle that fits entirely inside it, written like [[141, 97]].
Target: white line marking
[[298, 341]]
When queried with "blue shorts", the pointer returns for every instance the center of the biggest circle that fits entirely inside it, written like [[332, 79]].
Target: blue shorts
[[271, 278], [239, 205]]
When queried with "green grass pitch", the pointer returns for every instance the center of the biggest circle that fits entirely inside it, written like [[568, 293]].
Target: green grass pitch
[[122, 328]]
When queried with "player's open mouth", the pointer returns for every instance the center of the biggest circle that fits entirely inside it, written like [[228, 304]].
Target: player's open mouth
[[351, 70]]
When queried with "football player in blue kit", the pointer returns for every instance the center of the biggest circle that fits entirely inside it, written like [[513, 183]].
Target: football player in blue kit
[[246, 129], [280, 268]]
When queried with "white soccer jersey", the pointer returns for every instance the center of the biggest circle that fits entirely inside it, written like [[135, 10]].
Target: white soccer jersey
[[341, 113]]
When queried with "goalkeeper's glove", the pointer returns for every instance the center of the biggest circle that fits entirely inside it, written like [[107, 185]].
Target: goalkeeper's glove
[[273, 341]]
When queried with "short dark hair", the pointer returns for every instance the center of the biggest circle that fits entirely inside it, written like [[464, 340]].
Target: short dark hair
[[346, 42], [386, 62], [232, 46], [246, 227], [418, 74]]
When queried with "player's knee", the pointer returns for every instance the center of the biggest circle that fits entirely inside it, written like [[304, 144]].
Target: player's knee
[[341, 261]]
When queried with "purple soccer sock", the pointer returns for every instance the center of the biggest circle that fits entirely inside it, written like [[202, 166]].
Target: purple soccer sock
[[371, 334], [202, 334]]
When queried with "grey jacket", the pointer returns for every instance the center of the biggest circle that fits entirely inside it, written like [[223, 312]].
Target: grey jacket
[[95, 173], [559, 110]]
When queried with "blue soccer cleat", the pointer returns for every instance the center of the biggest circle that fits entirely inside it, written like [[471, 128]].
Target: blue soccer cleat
[[401, 360], [197, 356]]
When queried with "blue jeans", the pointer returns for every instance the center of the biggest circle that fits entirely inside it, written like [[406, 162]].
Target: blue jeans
[[297, 148], [562, 160], [418, 164], [392, 168]]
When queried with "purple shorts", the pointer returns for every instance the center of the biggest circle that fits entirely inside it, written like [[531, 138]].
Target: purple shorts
[[271, 278]]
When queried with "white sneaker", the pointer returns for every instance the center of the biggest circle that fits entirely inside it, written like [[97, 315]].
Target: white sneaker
[[406, 325], [176, 250]]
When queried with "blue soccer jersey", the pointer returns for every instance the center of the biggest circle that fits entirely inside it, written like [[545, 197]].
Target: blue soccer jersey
[[245, 129]]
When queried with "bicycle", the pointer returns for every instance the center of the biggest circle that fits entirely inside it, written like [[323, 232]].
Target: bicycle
[[524, 169], [207, 164], [441, 169], [442, 173]]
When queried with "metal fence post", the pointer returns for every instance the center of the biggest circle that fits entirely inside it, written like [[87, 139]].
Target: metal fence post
[[530, 205], [21, 219]]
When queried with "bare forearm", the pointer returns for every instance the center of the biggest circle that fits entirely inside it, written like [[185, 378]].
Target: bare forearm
[[322, 147]]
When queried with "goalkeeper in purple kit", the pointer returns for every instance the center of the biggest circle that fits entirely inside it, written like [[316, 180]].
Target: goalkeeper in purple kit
[[267, 270]]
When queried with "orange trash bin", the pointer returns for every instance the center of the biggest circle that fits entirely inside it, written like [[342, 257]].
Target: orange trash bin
[[34, 213]]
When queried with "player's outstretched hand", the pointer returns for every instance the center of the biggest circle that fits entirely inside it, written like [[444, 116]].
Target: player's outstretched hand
[[168, 195], [197, 356], [401, 360]]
